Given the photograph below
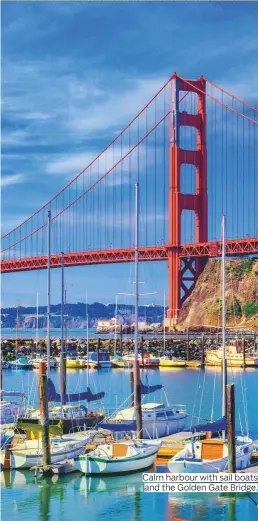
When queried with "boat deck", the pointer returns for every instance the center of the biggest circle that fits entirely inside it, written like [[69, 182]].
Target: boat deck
[[173, 443]]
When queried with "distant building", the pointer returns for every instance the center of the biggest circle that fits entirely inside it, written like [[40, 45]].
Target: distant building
[[103, 324]]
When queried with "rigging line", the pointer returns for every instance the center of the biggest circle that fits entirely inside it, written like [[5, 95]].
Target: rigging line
[[218, 101], [244, 403], [95, 182], [97, 157], [240, 421], [213, 396], [231, 95], [204, 378], [195, 396]]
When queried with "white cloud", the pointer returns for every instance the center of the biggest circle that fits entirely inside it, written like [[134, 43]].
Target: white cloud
[[39, 115], [14, 137], [13, 179], [117, 109]]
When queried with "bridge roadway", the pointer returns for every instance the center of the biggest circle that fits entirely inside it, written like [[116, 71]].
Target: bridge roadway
[[234, 247]]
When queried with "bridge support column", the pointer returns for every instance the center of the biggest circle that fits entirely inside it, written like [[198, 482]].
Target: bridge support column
[[182, 274]]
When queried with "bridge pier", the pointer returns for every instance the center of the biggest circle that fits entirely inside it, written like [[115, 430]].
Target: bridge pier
[[183, 272]]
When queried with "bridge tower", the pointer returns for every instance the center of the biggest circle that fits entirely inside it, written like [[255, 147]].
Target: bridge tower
[[183, 273]]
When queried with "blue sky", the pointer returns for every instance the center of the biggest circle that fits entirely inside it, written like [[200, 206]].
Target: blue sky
[[74, 74]]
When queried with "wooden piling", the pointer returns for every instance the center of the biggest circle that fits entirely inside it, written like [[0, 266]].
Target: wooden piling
[[142, 350], [43, 409], [231, 427]]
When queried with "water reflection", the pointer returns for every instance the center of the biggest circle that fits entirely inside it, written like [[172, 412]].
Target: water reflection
[[122, 497]]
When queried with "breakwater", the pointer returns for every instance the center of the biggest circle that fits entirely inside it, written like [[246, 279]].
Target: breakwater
[[188, 347]]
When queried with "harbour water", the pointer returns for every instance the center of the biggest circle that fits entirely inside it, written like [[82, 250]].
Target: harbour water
[[104, 499], [100, 499]]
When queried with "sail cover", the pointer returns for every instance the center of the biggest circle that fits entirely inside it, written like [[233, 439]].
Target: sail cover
[[88, 395], [147, 389], [37, 427], [218, 425], [118, 426]]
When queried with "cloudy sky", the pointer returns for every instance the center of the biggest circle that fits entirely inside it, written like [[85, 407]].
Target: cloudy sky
[[73, 74]]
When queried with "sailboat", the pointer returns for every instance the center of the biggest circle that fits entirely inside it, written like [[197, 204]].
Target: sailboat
[[64, 406], [158, 419], [29, 453], [211, 454], [126, 455]]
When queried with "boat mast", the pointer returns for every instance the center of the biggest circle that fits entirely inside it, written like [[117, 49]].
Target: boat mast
[[37, 323], [62, 353], [87, 338], [224, 367], [17, 325], [164, 318], [115, 326], [137, 383], [48, 290]]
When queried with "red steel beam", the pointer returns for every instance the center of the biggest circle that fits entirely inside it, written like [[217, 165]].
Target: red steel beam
[[156, 253]]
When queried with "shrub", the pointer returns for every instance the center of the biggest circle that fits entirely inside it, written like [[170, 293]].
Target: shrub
[[250, 309]]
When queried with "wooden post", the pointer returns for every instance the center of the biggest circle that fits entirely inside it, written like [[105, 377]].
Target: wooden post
[[121, 340], [142, 350], [43, 408], [98, 346], [202, 354], [187, 345], [132, 386], [217, 340], [231, 427], [243, 347]]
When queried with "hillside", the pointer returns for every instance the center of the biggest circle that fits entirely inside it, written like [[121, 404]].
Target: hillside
[[203, 307], [76, 315]]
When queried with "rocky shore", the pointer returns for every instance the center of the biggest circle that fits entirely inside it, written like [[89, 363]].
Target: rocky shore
[[185, 347]]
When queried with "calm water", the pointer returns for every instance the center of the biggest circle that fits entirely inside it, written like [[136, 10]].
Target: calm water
[[9, 332], [122, 498], [117, 499]]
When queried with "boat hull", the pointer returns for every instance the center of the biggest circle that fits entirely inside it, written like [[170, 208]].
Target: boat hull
[[13, 459], [172, 363], [69, 425], [152, 429]]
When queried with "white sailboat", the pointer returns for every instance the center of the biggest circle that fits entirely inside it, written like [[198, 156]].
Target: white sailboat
[[158, 419], [131, 455], [29, 453], [211, 455], [118, 458]]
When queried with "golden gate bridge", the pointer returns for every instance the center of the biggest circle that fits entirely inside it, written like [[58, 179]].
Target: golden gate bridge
[[192, 149]]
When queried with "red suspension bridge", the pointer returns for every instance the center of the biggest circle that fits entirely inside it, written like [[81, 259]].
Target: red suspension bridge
[[192, 149]]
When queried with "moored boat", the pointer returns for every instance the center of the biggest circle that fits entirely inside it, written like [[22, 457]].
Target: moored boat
[[29, 453], [211, 455], [101, 359], [52, 363], [73, 362], [165, 361], [21, 363], [158, 419], [118, 458], [233, 357]]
